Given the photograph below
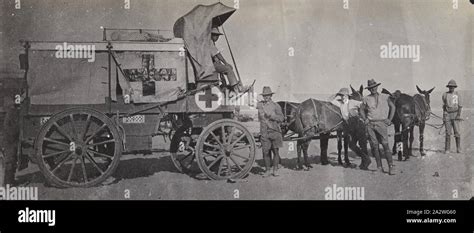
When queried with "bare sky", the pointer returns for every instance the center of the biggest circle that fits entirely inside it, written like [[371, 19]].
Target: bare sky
[[333, 46]]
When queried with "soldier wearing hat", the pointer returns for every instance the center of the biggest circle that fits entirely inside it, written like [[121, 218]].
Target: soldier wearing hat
[[221, 65], [350, 112], [377, 111], [270, 117], [452, 115]]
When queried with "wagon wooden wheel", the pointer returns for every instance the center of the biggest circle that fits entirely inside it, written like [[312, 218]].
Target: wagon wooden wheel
[[225, 149], [79, 147], [182, 150]]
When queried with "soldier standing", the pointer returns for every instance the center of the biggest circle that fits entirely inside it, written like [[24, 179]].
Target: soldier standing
[[377, 111], [350, 115], [270, 117], [452, 115]]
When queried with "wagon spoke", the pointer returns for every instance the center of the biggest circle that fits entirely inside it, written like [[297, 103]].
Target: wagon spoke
[[240, 156], [185, 157], [229, 139], [72, 169], [223, 138], [84, 173], [213, 146], [62, 132], [215, 138], [228, 165], [73, 125], [190, 163], [95, 133], [89, 157], [49, 147], [100, 154], [241, 147], [213, 154], [68, 157], [55, 153], [55, 141], [235, 162], [87, 126], [220, 167], [60, 158], [215, 161], [240, 138], [100, 143]]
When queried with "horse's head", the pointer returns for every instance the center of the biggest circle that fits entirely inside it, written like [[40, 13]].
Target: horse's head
[[357, 95], [426, 94]]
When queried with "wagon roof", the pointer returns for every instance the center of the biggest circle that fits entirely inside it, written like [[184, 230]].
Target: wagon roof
[[195, 29]]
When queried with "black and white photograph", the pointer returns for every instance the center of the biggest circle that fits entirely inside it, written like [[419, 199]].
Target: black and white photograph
[[236, 100]]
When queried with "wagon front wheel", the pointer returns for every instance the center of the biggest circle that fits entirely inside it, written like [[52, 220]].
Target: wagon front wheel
[[225, 149], [79, 147]]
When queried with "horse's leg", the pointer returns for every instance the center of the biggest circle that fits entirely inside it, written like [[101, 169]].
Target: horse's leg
[[305, 154], [405, 141], [422, 131], [412, 138], [347, 140], [323, 140], [397, 139], [299, 146], [394, 148], [339, 146]]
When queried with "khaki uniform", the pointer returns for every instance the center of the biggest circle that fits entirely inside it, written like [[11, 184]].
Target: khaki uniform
[[377, 107], [451, 109], [270, 117]]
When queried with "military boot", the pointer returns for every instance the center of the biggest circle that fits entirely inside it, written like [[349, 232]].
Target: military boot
[[458, 144], [447, 144], [391, 169]]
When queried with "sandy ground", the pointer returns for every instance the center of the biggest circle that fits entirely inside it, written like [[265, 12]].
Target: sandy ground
[[433, 177]]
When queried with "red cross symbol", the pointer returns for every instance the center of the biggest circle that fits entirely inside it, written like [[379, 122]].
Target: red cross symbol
[[205, 100]]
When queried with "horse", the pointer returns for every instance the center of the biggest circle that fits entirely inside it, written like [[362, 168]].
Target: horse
[[321, 117], [410, 111]]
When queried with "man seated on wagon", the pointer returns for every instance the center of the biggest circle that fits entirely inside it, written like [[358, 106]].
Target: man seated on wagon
[[222, 66]]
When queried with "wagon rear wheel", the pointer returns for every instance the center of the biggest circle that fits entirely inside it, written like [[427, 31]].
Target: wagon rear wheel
[[225, 149], [182, 151], [79, 147]]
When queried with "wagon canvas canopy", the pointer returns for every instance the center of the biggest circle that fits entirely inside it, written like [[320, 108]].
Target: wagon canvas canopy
[[195, 29]]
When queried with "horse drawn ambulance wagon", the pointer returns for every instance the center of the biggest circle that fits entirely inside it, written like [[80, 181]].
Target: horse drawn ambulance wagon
[[87, 103]]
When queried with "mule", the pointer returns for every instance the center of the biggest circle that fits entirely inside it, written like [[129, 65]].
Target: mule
[[410, 111], [350, 138], [315, 117]]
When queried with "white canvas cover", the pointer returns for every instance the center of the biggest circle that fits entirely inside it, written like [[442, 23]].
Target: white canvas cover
[[59, 81]]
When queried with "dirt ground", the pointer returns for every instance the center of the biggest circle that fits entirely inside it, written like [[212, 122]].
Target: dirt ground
[[436, 176]]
